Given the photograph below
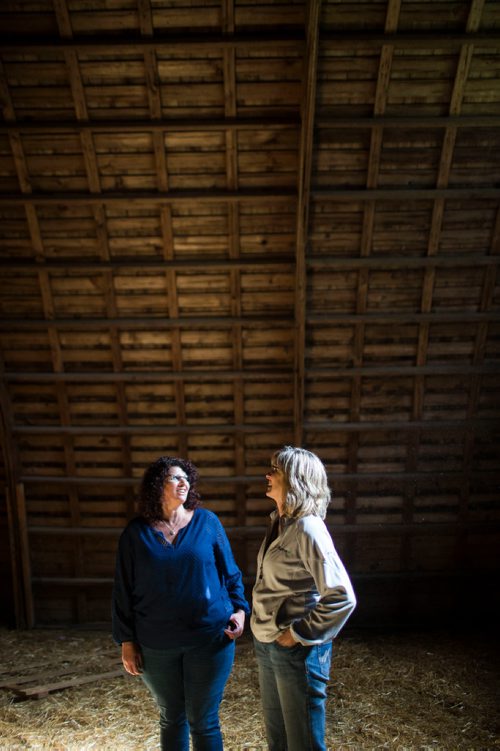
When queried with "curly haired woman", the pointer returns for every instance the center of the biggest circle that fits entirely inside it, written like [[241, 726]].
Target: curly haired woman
[[178, 605]]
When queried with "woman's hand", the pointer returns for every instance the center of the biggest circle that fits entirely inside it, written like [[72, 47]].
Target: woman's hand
[[131, 657], [236, 625], [285, 639]]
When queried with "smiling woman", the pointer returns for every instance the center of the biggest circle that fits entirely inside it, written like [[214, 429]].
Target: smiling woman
[[178, 604], [301, 600], [175, 494]]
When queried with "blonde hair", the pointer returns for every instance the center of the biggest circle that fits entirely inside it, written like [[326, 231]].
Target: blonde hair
[[307, 491]]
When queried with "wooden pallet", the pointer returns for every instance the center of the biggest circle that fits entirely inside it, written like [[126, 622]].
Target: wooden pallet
[[38, 685]]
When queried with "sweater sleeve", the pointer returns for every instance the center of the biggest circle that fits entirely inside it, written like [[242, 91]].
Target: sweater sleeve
[[122, 612], [228, 570], [335, 596]]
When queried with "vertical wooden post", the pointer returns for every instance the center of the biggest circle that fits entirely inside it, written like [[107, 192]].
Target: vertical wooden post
[[14, 561], [10, 460], [25, 556]]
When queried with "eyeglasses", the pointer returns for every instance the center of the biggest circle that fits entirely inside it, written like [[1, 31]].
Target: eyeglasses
[[177, 478]]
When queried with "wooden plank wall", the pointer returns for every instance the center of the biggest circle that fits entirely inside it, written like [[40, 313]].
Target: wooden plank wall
[[231, 226], [401, 315]]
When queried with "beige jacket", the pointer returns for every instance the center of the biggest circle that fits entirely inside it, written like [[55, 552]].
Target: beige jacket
[[301, 583]]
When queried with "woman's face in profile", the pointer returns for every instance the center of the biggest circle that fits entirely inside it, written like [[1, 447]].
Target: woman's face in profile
[[176, 487], [276, 485]]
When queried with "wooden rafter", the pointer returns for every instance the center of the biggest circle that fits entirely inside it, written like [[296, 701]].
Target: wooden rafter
[[189, 43], [162, 125], [318, 425], [175, 197], [147, 198], [304, 188], [346, 39], [380, 99]]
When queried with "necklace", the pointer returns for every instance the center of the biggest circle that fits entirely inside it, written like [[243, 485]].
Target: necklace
[[171, 529], [165, 534]]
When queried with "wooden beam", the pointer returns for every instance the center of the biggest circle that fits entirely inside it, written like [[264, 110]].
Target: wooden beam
[[25, 556], [63, 18], [11, 468], [487, 297], [148, 198], [403, 194], [433, 244], [55, 350], [443, 39], [338, 479], [171, 430], [392, 16], [374, 156], [94, 184], [474, 17], [186, 43], [474, 395], [93, 324], [391, 318], [303, 204], [233, 233], [400, 425], [145, 17], [44, 686], [403, 122], [171, 125], [245, 375], [233, 264], [404, 370], [256, 532], [143, 321], [322, 120], [269, 263], [342, 40], [311, 425]]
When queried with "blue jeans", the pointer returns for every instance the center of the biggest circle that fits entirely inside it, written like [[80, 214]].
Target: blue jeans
[[187, 684], [293, 683]]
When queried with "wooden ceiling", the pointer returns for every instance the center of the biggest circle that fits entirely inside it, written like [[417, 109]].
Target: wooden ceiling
[[226, 226]]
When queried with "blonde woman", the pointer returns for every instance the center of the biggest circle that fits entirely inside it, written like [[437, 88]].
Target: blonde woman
[[301, 599]]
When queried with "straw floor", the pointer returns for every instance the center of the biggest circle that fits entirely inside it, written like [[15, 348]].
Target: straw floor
[[399, 692]]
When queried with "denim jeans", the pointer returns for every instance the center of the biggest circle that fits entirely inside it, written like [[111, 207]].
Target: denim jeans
[[187, 684], [293, 683]]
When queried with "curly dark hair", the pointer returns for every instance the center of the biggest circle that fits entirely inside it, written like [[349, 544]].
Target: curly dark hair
[[153, 482]]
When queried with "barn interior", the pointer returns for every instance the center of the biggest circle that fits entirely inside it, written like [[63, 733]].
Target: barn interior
[[227, 226]]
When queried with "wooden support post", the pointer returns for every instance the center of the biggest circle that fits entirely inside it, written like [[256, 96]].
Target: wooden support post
[[14, 561], [25, 556]]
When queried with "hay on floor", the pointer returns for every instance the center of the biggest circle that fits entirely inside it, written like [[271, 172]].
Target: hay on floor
[[398, 692]]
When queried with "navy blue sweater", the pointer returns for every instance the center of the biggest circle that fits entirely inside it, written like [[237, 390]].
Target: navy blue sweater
[[175, 595]]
